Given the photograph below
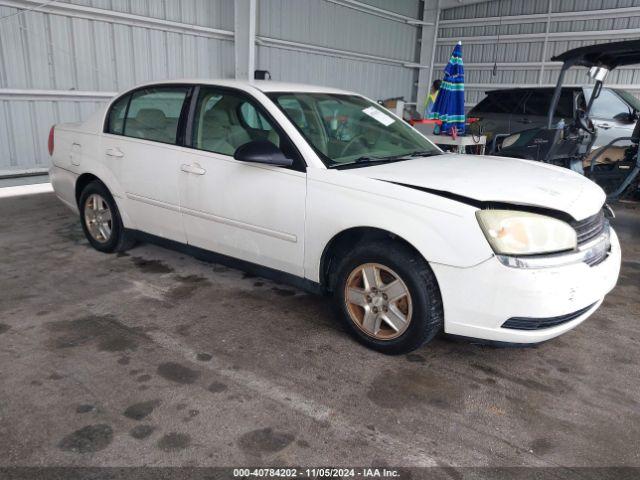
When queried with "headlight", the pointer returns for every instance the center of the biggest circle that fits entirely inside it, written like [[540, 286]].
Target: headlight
[[507, 142], [511, 232]]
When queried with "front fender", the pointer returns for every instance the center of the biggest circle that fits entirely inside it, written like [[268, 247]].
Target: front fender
[[442, 230]]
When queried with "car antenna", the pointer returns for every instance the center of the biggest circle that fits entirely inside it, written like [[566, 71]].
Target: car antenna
[[495, 49]]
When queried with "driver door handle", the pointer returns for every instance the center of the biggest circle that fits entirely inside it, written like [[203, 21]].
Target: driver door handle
[[195, 169], [114, 152], [604, 126]]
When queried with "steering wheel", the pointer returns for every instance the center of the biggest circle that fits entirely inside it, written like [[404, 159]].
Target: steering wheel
[[585, 122], [360, 137]]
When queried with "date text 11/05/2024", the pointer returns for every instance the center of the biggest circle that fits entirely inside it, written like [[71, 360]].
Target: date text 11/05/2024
[[325, 472]]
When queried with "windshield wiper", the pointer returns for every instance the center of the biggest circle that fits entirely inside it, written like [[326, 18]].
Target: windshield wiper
[[391, 158], [365, 159], [368, 159], [422, 153]]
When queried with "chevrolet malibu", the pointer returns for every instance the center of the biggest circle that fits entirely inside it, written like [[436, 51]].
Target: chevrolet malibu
[[329, 191]]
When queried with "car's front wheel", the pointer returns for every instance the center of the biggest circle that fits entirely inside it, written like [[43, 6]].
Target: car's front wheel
[[101, 220], [388, 297]]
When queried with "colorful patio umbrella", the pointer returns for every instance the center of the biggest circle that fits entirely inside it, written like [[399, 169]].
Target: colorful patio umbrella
[[449, 105]]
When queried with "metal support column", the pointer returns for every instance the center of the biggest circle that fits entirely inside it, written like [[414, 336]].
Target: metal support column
[[431, 14], [244, 20]]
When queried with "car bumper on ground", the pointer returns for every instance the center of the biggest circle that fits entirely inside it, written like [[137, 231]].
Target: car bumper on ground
[[541, 303]]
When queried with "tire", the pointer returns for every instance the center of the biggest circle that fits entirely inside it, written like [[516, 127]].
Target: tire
[[421, 305], [96, 220]]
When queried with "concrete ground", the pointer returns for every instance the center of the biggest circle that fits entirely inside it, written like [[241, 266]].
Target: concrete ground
[[155, 358]]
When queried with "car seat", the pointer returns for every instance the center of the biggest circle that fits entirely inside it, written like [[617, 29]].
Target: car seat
[[220, 134], [215, 132], [152, 124]]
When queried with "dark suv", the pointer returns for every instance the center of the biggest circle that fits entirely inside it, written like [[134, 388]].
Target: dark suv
[[614, 112]]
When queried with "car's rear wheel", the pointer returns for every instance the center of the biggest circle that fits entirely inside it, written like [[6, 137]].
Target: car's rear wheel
[[388, 297], [101, 220]]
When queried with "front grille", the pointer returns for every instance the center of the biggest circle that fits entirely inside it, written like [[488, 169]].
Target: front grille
[[527, 323], [590, 227]]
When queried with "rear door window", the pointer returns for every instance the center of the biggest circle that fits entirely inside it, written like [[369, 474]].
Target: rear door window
[[154, 113], [538, 103], [504, 101]]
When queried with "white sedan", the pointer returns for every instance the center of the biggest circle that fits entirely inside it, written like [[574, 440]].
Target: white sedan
[[329, 191]]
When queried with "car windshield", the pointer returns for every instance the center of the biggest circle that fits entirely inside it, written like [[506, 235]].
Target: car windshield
[[351, 130]]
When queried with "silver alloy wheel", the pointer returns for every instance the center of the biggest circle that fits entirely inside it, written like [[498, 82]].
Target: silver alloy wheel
[[98, 218], [378, 301]]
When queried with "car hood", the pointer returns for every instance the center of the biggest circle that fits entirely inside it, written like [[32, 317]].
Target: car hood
[[494, 179]]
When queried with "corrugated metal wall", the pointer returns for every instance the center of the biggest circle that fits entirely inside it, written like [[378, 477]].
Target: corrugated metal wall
[[59, 66], [531, 32], [310, 24], [375, 80], [60, 63]]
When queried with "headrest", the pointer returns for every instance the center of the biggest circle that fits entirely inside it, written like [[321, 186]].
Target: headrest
[[216, 124], [217, 115], [151, 117]]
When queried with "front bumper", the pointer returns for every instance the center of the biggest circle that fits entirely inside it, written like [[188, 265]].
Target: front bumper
[[479, 300]]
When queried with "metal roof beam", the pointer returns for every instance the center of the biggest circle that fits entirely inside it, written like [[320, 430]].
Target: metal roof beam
[[54, 95], [333, 52], [521, 65], [499, 86], [542, 17], [379, 12], [584, 35]]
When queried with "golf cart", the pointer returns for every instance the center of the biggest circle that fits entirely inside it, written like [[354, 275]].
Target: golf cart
[[568, 142]]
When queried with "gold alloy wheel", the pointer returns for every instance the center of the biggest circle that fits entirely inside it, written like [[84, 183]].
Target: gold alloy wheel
[[98, 218], [378, 301]]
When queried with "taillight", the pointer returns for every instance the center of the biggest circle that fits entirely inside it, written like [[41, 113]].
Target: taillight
[[50, 143]]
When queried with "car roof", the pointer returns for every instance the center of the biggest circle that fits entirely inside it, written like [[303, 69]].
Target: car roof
[[269, 86], [264, 86], [609, 55], [528, 89]]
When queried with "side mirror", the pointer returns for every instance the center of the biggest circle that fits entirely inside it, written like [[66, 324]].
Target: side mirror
[[630, 117], [262, 151]]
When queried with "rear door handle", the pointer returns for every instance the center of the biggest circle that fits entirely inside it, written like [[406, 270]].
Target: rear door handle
[[115, 152], [604, 126], [195, 169]]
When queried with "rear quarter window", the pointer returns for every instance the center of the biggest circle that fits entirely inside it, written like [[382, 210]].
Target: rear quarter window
[[115, 120], [502, 101]]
